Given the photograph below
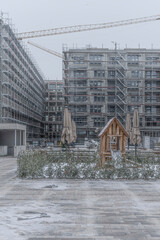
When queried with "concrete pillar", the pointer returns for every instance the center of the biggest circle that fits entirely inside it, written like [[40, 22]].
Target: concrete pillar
[[20, 140], [15, 137], [24, 137]]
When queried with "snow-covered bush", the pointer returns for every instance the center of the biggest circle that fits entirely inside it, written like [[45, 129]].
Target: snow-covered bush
[[86, 165]]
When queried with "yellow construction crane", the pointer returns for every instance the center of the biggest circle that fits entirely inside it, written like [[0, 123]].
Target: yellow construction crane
[[46, 49], [87, 27]]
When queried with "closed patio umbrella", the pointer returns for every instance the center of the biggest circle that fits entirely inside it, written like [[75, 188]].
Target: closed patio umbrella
[[67, 135], [136, 136]]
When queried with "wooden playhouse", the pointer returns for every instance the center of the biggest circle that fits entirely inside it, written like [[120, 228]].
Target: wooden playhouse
[[112, 138]]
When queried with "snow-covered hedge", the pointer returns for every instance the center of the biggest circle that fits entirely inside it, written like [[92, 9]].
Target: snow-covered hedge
[[85, 165]]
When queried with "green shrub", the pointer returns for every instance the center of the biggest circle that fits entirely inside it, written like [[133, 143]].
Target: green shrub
[[31, 163], [68, 164]]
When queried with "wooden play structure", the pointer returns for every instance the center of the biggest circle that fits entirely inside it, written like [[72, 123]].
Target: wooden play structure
[[113, 138]]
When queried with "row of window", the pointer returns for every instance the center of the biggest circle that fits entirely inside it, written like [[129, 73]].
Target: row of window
[[113, 59], [115, 73], [55, 127], [54, 108], [53, 118], [53, 86], [83, 73]]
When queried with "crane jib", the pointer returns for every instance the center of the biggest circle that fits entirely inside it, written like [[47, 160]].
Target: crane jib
[[82, 28]]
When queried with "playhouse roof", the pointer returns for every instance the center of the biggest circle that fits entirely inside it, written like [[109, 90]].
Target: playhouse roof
[[110, 123]]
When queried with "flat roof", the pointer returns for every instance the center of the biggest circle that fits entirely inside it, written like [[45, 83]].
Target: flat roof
[[12, 126]]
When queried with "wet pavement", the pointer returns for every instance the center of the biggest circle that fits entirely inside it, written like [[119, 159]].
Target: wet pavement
[[77, 209]]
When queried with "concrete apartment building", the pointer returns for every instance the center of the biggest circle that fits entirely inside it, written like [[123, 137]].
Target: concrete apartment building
[[21, 85], [102, 83], [54, 103]]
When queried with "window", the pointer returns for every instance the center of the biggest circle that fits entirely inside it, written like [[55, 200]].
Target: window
[[59, 87], [95, 57], [148, 85], [80, 83], [148, 99], [136, 74], [95, 84], [99, 73], [152, 74], [111, 109], [131, 108], [99, 97], [82, 132], [111, 83], [96, 63], [148, 109], [95, 108], [52, 108], [80, 74], [52, 98], [60, 98], [80, 121], [51, 86], [152, 60], [154, 99], [99, 122], [133, 58], [111, 98], [111, 74], [113, 60], [78, 59], [134, 99], [79, 98], [132, 83], [80, 108]]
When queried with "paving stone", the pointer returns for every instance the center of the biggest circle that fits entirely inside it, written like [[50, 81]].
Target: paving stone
[[77, 209]]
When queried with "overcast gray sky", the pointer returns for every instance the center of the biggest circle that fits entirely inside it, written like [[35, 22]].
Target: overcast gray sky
[[30, 15]]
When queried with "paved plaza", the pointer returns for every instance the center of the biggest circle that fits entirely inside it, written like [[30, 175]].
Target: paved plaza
[[77, 209]]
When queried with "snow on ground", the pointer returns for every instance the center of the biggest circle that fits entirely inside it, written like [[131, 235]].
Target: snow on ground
[[39, 184], [64, 208]]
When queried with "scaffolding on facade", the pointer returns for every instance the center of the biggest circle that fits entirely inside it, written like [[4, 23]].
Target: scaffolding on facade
[[22, 85], [129, 73]]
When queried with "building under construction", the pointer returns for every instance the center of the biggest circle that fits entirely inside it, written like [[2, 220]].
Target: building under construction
[[102, 83], [54, 100], [21, 84]]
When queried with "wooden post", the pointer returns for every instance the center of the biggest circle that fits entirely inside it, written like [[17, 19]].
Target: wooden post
[[121, 141], [124, 147], [108, 150], [117, 146], [103, 150], [114, 128], [117, 130], [124, 143]]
